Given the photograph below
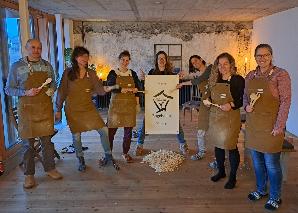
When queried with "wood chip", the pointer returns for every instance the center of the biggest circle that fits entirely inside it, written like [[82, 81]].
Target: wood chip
[[164, 160]]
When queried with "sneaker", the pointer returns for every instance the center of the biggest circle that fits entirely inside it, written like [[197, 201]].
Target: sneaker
[[29, 182], [127, 158], [272, 204], [139, 151], [198, 156], [184, 149], [213, 165], [254, 196], [54, 174]]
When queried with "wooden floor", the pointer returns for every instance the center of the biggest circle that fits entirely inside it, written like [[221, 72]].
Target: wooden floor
[[136, 187]]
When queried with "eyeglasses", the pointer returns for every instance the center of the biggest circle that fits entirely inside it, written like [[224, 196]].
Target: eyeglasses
[[263, 56]]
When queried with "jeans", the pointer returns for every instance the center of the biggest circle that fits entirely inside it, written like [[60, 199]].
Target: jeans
[[267, 165], [47, 149], [141, 134], [201, 141], [77, 142], [126, 138]]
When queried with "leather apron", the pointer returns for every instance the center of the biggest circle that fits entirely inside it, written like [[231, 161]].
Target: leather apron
[[203, 118], [36, 115], [224, 127], [81, 114], [260, 122], [122, 109]]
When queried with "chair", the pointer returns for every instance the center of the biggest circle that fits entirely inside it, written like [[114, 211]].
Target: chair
[[194, 102], [37, 144]]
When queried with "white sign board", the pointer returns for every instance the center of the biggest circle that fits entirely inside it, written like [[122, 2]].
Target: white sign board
[[161, 104]]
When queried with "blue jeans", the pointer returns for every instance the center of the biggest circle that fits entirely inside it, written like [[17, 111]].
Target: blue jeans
[[267, 165], [103, 132], [141, 134]]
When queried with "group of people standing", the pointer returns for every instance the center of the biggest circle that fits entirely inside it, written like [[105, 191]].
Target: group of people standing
[[223, 93]]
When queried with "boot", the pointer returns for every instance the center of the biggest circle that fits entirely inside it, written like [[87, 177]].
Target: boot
[[29, 182], [231, 182], [55, 174], [218, 176], [82, 165]]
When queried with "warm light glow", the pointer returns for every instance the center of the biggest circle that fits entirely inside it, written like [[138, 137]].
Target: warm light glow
[[102, 71], [245, 60]]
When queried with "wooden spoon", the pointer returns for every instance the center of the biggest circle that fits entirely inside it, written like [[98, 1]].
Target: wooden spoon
[[49, 80]]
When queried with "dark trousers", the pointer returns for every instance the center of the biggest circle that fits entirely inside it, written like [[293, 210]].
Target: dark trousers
[[234, 158], [47, 149], [126, 138]]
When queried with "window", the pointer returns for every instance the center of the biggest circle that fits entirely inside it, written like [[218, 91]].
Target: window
[[174, 52], [10, 53]]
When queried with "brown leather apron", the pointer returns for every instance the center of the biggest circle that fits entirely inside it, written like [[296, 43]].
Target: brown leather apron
[[203, 118], [224, 127], [260, 122], [81, 114], [36, 116], [122, 110]]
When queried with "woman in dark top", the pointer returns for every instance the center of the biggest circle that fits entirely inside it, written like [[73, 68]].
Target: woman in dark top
[[76, 88], [162, 67], [227, 90], [199, 77], [124, 102]]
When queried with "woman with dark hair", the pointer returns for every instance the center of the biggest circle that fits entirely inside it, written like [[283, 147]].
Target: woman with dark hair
[[124, 104], [162, 67], [226, 88], [265, 123], [202, 72], [77, 86]]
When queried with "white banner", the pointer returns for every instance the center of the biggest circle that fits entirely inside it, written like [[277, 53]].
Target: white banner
[[161, 104]]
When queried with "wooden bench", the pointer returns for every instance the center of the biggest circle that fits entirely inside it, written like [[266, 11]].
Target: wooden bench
[[37, 143]]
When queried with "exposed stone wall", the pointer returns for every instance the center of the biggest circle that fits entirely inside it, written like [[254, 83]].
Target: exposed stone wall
[[106, 40]]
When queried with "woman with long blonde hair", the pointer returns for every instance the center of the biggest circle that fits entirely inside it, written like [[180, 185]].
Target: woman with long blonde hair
[[226, 89]]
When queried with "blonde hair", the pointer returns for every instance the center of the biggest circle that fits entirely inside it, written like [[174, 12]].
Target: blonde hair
[[215, 74]]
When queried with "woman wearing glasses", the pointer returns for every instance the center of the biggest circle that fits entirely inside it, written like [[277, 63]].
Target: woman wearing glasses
[[265, 123]]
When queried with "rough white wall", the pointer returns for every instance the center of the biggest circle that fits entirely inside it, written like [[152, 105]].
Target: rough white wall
[[280, 31], [106, 40]]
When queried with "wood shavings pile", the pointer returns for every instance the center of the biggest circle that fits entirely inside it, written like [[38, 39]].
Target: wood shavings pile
[[164, 160]]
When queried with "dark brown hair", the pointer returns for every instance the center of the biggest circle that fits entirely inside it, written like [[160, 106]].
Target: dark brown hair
[[123, 54], [74, 70], [267, 46], [168, 69], [191, 67]]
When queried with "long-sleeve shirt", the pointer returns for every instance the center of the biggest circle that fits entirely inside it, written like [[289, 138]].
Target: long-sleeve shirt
[[237, 84], [205, 76], [280, 87], [19, 72], [64, 87], [112, 76]]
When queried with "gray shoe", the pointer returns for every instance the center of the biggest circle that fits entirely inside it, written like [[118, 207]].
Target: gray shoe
[[198, 156]]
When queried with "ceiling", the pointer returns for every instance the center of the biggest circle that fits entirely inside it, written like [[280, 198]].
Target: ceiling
[[163, 10]]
